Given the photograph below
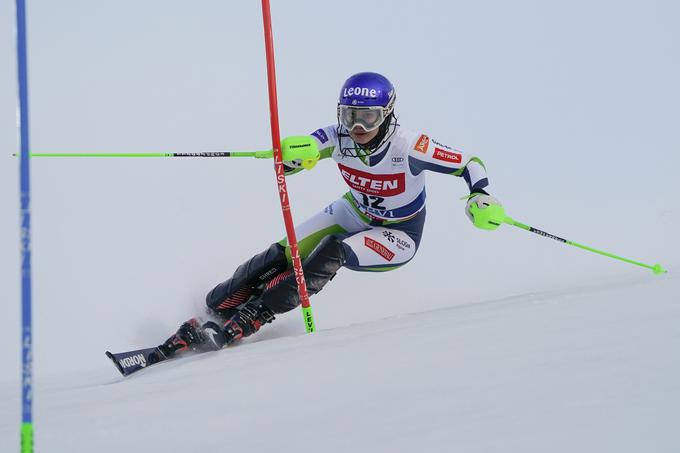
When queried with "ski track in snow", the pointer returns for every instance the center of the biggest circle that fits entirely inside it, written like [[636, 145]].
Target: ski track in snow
[[595, 368]]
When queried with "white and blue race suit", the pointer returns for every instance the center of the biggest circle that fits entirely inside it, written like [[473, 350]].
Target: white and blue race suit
[[381, 218]]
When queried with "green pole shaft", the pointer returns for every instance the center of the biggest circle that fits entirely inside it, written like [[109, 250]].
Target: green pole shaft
[[257, 154], [101, 155], [656, 268]]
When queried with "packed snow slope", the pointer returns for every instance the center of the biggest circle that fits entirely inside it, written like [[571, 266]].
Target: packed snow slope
[[589, 369]]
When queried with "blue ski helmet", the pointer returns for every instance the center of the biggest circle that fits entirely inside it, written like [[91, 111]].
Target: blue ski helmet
[[366, 100]]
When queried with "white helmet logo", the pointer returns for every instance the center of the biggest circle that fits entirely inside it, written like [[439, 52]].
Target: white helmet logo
[[358, 91]]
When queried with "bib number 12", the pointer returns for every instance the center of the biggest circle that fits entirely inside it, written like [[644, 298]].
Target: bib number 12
[[373, 202]]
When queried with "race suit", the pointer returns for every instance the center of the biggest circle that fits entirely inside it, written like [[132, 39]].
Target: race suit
[[381, 217]]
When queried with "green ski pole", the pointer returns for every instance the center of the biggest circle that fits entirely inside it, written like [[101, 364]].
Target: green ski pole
[[257, 154], [492, 216], [656, 268], [297, 147]]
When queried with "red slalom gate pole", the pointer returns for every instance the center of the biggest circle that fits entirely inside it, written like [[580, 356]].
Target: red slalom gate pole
[[278, 166]]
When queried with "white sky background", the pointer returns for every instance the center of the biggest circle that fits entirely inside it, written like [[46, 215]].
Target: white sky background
[[574, 107]]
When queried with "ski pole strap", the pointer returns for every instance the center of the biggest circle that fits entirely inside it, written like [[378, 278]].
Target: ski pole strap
[[656, 268]]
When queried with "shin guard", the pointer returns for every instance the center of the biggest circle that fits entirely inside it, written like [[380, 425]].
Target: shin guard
[[261, 268]]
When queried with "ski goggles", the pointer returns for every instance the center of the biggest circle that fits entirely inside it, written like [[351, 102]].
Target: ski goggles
[[367, 118]]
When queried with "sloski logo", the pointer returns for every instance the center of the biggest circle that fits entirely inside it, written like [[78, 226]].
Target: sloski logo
[[321, 135], [422, 144], [135, 360], [378, 248], [448, 156], [374, 184], [389, 235], [401, 244]]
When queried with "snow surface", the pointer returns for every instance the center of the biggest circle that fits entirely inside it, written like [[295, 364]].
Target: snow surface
[[591, 369]]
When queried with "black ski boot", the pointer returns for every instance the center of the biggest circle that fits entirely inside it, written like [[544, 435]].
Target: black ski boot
[[191, 336], [248, 320]]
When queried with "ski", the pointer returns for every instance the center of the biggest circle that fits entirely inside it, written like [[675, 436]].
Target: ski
[[132, 361], [191, 338]]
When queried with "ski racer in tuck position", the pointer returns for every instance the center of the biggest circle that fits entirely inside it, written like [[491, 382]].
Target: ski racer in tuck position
[[376, 226]]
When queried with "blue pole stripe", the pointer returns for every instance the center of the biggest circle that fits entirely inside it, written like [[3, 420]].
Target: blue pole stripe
[[25, 203]]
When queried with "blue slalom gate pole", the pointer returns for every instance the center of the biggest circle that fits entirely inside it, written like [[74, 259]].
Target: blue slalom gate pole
[[25, 203]]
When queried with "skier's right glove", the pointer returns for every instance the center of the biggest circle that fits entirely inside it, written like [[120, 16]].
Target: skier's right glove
[[485, 211], [290, 167], [299, 152]]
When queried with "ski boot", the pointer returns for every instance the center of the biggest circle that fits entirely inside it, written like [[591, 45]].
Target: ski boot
[[191, 336], [248, 320]]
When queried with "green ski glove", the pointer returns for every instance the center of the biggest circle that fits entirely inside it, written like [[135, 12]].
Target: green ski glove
[[299, 152], [484, 211]]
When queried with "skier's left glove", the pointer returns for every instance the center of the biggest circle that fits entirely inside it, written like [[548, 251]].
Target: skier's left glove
[[485, 211]]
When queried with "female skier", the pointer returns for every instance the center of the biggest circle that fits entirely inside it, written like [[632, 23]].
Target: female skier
[[376, 226]]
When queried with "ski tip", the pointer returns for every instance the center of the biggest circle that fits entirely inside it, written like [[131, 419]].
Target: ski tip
[[110, 355], [132, 361]]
